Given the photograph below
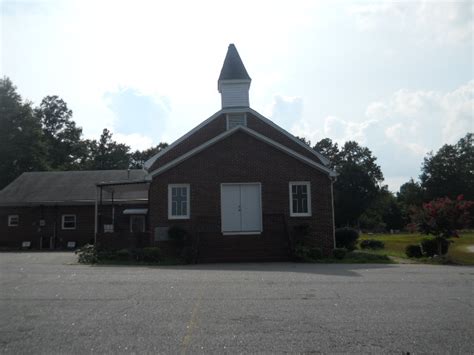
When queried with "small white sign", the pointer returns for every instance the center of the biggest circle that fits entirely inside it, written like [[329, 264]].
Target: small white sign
[[108, 228], [26, 244], [71, 245]]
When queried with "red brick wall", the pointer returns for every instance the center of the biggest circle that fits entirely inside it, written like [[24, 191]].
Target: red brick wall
[[242, 158], [217, 126], [29, 228], [261, 127]]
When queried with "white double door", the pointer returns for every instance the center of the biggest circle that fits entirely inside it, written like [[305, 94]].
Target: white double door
[[241, 208]]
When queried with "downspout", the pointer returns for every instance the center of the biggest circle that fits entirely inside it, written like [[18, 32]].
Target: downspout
[[55, 233], [113, 211], [99, 217], [333, 180], [96, 210]]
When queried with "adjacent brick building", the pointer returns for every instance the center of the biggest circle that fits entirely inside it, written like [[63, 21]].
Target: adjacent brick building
[[57, 210]]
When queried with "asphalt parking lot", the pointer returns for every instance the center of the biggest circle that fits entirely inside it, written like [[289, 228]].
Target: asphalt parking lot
[[49, 304]]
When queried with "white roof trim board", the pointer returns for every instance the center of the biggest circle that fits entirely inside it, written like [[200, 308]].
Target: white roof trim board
[[251, 132], [149, 163]]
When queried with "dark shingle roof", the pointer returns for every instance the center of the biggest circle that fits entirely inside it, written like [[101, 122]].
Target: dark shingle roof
[[49, 187], [233, 68]]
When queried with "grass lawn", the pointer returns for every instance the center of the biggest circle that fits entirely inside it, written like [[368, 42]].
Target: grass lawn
[[395, 245]]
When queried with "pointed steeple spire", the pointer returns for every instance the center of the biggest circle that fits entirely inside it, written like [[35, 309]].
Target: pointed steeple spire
[[234, 81], [233, 68]]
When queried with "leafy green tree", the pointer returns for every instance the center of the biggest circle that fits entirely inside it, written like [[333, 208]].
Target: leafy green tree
[[383, 214], [450, 172], [65, 149], [21, 140], [358, 183], [107, 154], [330, 150], [409, 197], [139, 157], [410, 194], [304, 140]]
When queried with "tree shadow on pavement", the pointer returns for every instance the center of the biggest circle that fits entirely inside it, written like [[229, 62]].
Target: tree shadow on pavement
[[321, 269]]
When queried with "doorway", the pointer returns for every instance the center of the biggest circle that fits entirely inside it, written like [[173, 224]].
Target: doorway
[[241, 208]]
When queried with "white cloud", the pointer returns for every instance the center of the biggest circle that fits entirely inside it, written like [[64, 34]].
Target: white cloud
[[401, 128], [134, 140], [286, 109], [341, 130], [442, 22], [426, 118], [459, 108]]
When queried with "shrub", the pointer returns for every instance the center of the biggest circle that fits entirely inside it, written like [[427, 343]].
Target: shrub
[[413, 251], [372, 244], [123, 254], [340, 253], [137, 254], [315, 253], [429, 246], [87, 254], [177, 233], [106, 255], [346, 238], [308, 254], [151, 254]]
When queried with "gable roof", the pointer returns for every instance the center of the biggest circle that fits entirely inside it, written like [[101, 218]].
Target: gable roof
[[233, 67], [67, 187], [149, 163], [252, 133]]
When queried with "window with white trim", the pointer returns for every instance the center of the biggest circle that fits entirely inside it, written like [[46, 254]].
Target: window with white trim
[[300, 199], [178, 201], [236, 119], [13, 220], [68, 221]]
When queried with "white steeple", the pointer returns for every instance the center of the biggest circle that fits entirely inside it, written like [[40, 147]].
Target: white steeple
[[234, 81]]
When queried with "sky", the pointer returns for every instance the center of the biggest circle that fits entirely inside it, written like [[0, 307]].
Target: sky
[[397, 77]]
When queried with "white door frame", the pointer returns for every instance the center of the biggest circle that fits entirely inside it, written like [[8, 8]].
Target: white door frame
[[259, 184]]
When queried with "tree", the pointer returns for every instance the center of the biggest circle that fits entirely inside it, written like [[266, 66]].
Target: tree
[[138, 158], [442, 218], [304, 140], [108, 154], [384, 213], [65, 150], [450, 172], [329, 149], [359, 179], [409, 197], [410, 194], [21, 141]]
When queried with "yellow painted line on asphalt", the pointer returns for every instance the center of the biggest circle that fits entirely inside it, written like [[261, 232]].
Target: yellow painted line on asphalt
[[192, 323]]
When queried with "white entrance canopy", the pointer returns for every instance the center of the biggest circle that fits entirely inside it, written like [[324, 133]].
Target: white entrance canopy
[[131, 191], [135, 211]]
